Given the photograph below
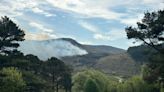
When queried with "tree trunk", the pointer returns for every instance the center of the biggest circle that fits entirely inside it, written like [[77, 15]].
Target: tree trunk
[[57, 86], [66, 90], [53, 82], [70, 90]]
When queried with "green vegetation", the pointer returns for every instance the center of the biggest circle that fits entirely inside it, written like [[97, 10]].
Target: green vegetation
[[27, 73], [38, 76], [91, 86], [93, 78], [11, 80], [150, 31], [20, 73], [95, 81], [10, 33]]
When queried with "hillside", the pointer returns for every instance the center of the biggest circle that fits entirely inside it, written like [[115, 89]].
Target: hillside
[[109, 59], [119, 64], [94, 48], [63, 47]]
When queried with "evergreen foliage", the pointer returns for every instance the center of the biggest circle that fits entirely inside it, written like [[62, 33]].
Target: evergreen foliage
[[10, 34], [11, 80]]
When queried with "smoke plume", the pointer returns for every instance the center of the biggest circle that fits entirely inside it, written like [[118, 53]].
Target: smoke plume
[[50, 48]]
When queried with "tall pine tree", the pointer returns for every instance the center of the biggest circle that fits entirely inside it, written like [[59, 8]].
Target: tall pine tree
[[10, 34]]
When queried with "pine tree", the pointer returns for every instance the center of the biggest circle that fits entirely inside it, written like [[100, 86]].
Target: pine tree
[[10, 34]]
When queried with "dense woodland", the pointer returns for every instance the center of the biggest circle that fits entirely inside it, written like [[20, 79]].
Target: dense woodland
[[27, 73]]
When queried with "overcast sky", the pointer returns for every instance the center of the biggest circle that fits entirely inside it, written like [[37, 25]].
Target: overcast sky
[[99, 22]]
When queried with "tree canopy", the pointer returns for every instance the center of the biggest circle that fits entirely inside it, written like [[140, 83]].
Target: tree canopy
[[11, 80], [150, 30], [10, 34], [91, 86]]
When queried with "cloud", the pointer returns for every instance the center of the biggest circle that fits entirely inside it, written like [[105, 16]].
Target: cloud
[[152, 1], [86, 8], [103, 9], [113, 34], [129, 21], [40, 11], [102, 37], [136, 13], [116, 34], [89, 27], [9, 8], [161, 5], [42, 32], [132, 21], [18, 7], [39, 36], [40, 27]]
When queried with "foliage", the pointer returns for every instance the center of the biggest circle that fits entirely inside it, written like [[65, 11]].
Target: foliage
[[136, 84], [91, 86], [34, 83], [11, 80], [10, 33], [150, 30], [58, 73], [38, 74], [80, 80], [95, 81]]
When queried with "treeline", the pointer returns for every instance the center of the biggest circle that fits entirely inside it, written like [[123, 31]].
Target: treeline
[[27, 73], [95, 81], [20, 73]]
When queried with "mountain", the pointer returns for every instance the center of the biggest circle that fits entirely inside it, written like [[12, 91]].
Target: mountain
[[94, 48], [63, 47], [108, 59]]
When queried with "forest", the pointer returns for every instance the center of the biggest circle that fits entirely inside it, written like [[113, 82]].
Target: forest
[[27, 73]]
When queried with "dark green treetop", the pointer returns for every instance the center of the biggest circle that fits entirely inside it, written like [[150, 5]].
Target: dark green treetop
[[150, 30], [10, 34]]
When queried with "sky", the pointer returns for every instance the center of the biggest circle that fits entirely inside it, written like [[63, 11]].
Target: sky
[[95, 22]]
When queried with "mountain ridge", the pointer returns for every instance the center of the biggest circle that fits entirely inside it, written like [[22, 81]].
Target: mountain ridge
[[81, 56], [91, 48]]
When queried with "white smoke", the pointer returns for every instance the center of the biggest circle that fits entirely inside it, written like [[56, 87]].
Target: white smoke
[[51, 48]]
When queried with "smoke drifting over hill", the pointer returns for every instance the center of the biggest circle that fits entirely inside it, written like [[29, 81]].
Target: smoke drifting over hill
[[50, 48]]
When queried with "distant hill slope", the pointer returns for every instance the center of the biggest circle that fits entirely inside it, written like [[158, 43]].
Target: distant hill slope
[[141, 53], [102, 49], [109, 59], [119, 64], [95, 48]]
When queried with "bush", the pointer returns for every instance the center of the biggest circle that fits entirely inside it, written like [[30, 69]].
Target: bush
[[93, 78], [12, 80], [91, 86]]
